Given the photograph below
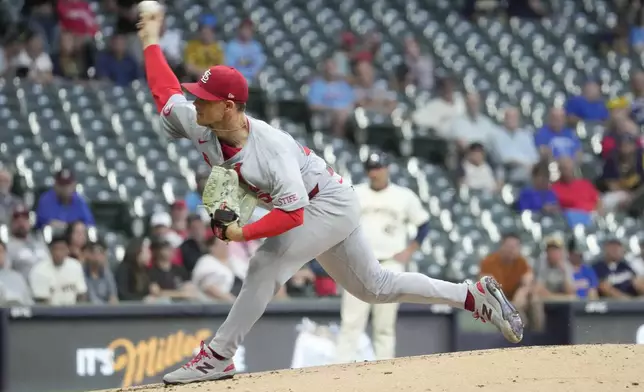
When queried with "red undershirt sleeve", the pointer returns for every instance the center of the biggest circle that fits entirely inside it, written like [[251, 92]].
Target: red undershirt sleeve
[[274, 223], [162, 81]]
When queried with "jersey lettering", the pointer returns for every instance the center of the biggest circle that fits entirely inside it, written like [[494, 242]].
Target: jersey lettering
[[263, 196]]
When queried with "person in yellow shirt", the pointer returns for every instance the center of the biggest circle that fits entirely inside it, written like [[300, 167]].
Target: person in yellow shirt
[[205, 51]]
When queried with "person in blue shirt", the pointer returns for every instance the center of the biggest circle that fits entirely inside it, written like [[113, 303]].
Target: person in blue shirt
[[589, 106], [62, 205], [616, 278], [555, 140], [331, 98], [538, 197], [193, 198], [584, 276], [244, 53], [116, 64]]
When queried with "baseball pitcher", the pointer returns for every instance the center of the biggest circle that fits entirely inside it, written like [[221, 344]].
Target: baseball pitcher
[[386, 210], [314, 214]]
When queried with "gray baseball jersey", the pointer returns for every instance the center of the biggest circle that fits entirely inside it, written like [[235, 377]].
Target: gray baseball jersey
[[272, 164], [283, 173]]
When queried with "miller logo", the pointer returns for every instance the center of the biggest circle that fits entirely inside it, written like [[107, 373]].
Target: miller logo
[[150, 357], [205, 77]]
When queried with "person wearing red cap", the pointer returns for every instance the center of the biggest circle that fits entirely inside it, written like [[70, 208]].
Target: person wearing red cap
[[313, 213]]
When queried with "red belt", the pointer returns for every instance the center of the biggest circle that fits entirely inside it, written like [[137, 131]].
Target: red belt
[[314, 192]]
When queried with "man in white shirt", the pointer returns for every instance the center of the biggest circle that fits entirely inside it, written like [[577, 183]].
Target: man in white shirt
[[59, 281], [514, 147], [35, 61], [161, 226], [439, 112], [24, 248], [387, 212], [473, 126]]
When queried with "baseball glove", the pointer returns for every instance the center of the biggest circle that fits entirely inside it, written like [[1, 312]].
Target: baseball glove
[[225, 201]]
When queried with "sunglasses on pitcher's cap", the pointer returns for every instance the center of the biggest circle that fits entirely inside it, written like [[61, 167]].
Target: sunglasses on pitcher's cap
[[220, 83]]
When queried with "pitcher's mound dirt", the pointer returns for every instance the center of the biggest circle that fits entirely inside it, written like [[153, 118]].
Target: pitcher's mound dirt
[[592, 368]]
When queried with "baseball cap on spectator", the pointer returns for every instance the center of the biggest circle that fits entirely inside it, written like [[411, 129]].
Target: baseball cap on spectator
[[220, 83], [160, 219], [56, 238], [554, 242], [20, 210], [476, 147], [375, 161], [208, 20], [95, 244], [64, 177]]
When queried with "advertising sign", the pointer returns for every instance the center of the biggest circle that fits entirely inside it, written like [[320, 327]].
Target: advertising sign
[[84, 353]]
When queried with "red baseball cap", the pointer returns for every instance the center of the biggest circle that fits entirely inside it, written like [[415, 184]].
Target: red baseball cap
[[220, 83]]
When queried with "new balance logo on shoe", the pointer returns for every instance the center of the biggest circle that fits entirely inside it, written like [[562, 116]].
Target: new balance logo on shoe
[[486, 312], [204, 368]]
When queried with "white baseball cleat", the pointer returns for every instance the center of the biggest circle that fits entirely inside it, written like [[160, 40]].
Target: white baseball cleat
[[203, 367], [491, 304]]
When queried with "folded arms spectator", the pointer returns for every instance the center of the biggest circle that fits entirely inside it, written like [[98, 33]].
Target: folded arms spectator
[[244, 53], [555, 140], [514, 147], [62, 204], [331, 99], [589, 106]]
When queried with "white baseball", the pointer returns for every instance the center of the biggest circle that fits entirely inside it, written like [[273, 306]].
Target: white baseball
[[150, 7]]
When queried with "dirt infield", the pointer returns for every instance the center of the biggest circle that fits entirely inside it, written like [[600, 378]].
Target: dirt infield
[[598, 368]]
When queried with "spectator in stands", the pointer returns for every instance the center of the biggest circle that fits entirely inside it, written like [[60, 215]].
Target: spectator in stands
[[40, 16], [617, 126], [554, 278], [439, 112], [116, 65], [616, 278], [584, 276], [515, 275], [324, 284], [77, 18], [60, 280], [623, 175], [331, 99], [473, 126], [8, 201], [127, 18], [368, 48], [195, 245], [205, 51], [9, 51], [372, 94], [76, 234], [179, 214], [637, 99], [539, 197], [101, 286], [132, 280], [193, 198], [72, 60], [476, 173], [169, 280], [578, 197], [245, 53], [301, 284], [343, 55], [14, 290], [212, 274], [555, 140], [590, 106], [24, 247], [33, 62], [62, 204], [416, 69], [514, 147], [161, 226]]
